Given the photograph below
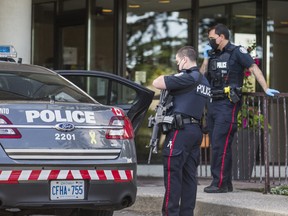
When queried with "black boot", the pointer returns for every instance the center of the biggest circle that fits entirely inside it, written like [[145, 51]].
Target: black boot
[[214, 189], [230, 187]]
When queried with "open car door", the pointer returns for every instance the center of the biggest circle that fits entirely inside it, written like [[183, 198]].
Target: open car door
[[110, 89]]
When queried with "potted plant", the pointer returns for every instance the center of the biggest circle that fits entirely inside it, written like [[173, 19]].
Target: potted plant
[[250, 116]]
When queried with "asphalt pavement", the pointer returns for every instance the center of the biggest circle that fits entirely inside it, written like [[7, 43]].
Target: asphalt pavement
[[246, 199], [130, 212]]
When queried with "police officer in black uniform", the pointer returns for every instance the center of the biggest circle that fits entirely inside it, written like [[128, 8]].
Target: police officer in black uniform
[[225, 65], [181, 149]]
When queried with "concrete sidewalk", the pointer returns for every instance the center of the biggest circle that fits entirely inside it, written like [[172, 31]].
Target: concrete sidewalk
[[239, 202]]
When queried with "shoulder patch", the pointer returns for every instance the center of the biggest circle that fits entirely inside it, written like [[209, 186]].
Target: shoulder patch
[[243, 50]]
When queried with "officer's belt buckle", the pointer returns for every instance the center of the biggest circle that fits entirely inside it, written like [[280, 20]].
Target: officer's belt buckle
[[190, 120]]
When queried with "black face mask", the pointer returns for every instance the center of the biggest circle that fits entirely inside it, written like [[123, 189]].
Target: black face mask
[[213, 44]]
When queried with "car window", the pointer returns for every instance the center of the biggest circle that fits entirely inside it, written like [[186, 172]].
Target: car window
[[32, 86], [122, 94], [104, 90]]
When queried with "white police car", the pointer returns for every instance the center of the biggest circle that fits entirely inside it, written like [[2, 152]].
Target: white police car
[[61, 151]]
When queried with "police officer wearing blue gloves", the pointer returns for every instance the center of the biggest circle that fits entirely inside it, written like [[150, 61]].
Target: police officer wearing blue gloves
[[224, 67], [181, 149]]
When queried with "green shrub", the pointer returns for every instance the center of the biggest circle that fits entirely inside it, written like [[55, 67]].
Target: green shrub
[[280, 190]]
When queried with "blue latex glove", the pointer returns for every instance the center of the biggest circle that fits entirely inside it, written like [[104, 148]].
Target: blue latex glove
[[271, 92], [206, 50]]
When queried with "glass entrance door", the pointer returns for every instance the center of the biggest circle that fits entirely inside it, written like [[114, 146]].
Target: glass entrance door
[[71, 28], [72, 47], [78, 34]]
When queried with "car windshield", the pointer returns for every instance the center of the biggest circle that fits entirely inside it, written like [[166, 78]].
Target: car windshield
[[39, 87]]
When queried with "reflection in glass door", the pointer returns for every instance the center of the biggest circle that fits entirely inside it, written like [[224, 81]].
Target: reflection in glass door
[[72, 51], [43, 34], [277, 44], [101, 32]]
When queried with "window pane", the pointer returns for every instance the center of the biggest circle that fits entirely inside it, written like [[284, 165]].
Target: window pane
[[70, 5], [96, 87], [122, 94], [102, 31], [99, 89], [73, 47], [43, 34], [277, 44], [154, 33], [208, 17], [41, 86]]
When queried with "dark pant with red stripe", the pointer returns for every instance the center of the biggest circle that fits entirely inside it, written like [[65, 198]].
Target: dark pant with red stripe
[[181, 153], [222, 125]]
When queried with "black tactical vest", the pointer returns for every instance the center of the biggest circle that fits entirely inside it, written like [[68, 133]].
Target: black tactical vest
[[220, 72]]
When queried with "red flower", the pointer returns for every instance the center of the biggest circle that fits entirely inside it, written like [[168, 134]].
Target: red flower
[[247, 73], [257, 61], [244, 122]]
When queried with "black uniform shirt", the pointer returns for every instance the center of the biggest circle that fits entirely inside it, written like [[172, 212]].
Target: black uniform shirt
[[240, 58], [192, 101]]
